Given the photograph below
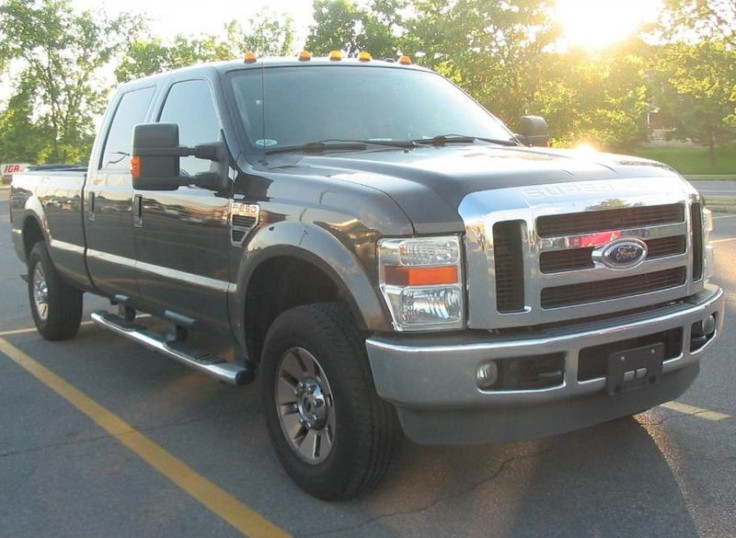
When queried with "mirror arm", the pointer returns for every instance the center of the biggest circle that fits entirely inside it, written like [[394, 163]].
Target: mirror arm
[[211, 181], [213, 152], [179, 151]]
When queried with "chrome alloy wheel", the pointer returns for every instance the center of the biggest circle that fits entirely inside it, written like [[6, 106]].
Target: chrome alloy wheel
[[40, 293], [305, 405]]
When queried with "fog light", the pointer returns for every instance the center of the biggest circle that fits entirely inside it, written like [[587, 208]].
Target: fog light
[[709, 324], [487, 375], [702, 332]]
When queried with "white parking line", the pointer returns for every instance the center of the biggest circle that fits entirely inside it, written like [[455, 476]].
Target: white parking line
[[719, 217], [722, 240]]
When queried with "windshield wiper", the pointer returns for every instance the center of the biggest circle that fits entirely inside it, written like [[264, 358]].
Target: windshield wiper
[[338, 144], [322, 145], [441, 140]]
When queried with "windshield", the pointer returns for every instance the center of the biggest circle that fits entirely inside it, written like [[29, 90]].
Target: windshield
[[309, 104]]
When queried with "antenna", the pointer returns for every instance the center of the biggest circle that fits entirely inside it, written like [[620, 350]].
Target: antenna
[[263, 107]]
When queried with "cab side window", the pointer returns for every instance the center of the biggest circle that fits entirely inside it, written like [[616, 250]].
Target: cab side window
[[130, 112], [189, 104]]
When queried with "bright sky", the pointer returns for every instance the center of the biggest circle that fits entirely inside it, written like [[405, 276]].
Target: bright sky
[[592, 23], [193, 17], [597, 23]]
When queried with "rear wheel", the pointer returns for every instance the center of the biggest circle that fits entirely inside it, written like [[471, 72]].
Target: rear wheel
[[332, 433], [55, 305]]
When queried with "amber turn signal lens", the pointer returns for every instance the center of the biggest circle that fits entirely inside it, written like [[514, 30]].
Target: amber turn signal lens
[[135, 166], [399, 275]]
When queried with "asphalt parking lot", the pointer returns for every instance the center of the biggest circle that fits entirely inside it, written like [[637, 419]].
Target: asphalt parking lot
[[100, 437]]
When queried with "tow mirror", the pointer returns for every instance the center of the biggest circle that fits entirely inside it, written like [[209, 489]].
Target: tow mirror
[[156, 154], [533, 131]]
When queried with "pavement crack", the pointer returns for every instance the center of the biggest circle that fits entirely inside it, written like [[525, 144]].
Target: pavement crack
[[472, 487], [53, 446], [107, 435]]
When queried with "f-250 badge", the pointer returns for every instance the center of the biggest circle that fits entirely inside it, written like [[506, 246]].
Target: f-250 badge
[[243, 218]]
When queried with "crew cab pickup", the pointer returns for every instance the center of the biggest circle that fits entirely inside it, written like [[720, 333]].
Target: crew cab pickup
[[381, 252]]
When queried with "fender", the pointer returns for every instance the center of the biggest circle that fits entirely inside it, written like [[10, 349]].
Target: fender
[[318, 247], [32, 209]]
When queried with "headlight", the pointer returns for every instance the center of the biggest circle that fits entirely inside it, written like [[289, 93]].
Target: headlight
[[707, 220], [421, 280]]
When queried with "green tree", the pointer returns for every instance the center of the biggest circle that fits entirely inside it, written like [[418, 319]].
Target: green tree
[[21, 140], [599, 98], [494, 49], [60, 52], [374, 27], [688, 20], [695, 85], [146, 56], [264, 34]]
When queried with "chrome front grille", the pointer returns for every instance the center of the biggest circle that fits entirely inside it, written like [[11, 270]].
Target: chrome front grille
[[614, 288], [582, 258], [608, 219], [535, 255]]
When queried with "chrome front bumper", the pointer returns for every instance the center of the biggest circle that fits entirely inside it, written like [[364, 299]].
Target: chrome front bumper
[[432, 380]]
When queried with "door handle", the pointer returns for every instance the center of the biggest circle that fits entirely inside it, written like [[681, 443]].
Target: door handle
[[91, 206], [138, 211]]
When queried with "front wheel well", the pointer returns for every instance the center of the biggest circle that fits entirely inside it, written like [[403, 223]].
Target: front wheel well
[[276, 286]]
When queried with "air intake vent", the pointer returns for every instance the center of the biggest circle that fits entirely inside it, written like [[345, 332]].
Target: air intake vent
[[509, 259], [609, 219], [696, 216], [602, 290], [240, 221]]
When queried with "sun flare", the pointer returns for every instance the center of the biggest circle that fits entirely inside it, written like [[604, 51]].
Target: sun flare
[[598, 23]]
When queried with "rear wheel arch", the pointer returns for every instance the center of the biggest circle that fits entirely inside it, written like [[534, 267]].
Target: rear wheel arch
[[32, 234], [56, 306]]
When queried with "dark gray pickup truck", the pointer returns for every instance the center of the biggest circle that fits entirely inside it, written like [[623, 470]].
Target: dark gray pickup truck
[[382, 252]]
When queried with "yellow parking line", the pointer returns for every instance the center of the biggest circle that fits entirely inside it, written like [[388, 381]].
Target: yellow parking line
[[17, 331], [695, 411], [29, 330], [220, 502]]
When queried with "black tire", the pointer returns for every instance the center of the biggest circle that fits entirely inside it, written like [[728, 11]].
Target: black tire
[[318, 356], [55, 305]]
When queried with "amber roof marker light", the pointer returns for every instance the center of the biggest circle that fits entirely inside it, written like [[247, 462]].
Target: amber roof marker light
[[250, 57], [335, 56], [305, 56]]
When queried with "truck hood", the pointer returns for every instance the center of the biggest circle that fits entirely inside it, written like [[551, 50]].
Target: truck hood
[[428, 184]]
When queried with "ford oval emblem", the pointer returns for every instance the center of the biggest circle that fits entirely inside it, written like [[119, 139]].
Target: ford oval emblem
[[621, 254]]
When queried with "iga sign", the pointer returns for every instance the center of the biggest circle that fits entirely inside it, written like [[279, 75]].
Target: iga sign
[[7, 170]]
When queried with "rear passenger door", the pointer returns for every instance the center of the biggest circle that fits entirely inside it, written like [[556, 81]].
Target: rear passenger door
[[108, 212], [181, 237]]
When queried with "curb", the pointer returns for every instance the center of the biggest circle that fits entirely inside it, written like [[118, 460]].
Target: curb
[[710, 177]]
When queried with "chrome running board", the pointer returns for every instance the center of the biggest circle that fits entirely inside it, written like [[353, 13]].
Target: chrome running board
[[211, 365]]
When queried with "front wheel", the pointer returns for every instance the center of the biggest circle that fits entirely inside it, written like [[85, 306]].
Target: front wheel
[[55, 305], [332, 433]]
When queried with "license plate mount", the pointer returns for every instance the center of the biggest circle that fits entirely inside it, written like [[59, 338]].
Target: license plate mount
[[631, 369]]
